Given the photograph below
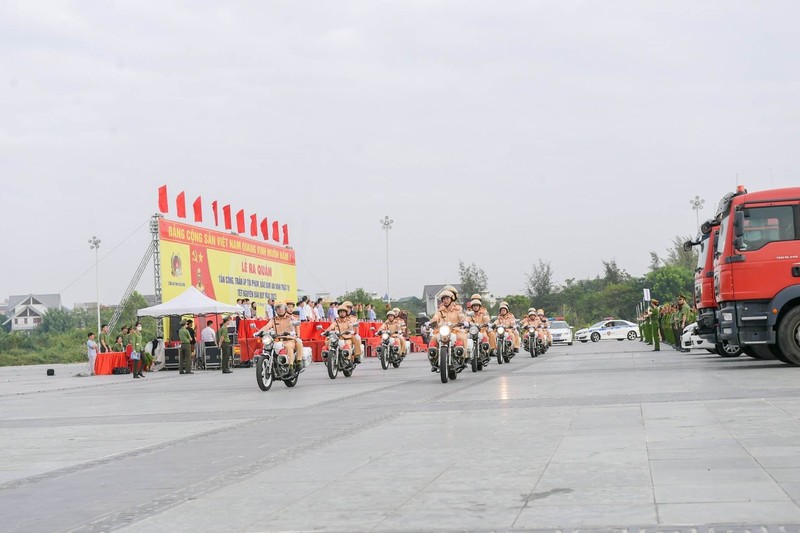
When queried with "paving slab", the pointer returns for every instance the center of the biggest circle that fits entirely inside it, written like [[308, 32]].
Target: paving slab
[[602, 436]]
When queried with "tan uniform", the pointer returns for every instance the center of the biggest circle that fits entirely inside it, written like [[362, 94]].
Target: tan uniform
[[508, 321], [482, 318], [356, 336], [342, 326], [451, 315], [293, 346], [395, 326]]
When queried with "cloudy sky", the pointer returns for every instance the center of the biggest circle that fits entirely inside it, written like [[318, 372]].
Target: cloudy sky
[[498, 133]]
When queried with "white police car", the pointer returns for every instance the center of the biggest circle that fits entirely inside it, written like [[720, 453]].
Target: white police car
[[609, 329], [561, 332]]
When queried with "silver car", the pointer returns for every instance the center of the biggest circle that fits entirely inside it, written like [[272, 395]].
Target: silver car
[[561, 332]]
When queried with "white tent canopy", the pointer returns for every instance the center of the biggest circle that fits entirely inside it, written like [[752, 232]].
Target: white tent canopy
[[190, 302]]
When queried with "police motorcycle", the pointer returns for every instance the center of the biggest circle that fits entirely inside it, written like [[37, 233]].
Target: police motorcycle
[[389, 349], [272, 364], [449, 356], [531, 341], [505, 346], [337, 356], [477, 346]]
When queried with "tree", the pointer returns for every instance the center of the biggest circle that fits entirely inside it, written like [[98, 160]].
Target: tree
[[677, 256], [358, 296], [669, 281], [539, 282], [518, 305], [57, 320], [473, 279], [613, 273]]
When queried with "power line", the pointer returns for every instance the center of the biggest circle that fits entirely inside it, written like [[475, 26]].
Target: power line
[[74, 281]]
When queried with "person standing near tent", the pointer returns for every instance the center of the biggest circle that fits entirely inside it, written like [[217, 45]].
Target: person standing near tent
[[186, 349], [224, 343], [137, 347]]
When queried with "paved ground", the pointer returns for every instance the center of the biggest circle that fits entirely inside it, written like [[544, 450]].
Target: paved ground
[[592, 436]]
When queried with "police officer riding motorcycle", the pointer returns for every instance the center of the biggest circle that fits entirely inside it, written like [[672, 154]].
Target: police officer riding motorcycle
[[342, 345], [505, 326], [479, 341], [392, 349], [281, 356], [446, 352]]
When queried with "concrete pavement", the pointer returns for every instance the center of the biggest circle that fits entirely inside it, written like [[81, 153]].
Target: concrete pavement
[[606, 435]]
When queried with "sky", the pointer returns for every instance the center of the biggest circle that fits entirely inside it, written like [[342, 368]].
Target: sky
[[498, 133]]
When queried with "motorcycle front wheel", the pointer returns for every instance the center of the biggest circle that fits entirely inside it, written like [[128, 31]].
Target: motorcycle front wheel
[[333, 368], [475, 362], [384, 357], [263, 374], [499, 356], [443, 367]]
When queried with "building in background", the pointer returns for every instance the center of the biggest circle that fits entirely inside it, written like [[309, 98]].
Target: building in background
[[25, 312]]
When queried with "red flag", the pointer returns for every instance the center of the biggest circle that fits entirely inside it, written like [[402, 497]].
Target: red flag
[[216, 214], [286, 234], [163, 203], [265, 228], [254, 225], [226, 214], [240, 222], [181, 205], [275, 231], [198, 209]]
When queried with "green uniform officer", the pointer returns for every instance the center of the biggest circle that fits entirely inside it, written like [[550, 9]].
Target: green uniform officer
[[654, 312], [186, 350], [105, 342], [648, 333], [224, 343], [137, 346]]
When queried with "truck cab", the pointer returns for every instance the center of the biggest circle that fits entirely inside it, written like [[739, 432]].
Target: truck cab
[[757, 272]]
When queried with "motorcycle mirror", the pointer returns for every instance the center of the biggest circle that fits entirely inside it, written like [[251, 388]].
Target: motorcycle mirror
[[470, 313], [318, 327], [295, 322]]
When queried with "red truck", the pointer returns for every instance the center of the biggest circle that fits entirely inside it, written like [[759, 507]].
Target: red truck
[[757, 272], [704, 289]]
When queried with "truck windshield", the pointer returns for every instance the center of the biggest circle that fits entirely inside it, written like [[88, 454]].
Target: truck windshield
[[723, 234]]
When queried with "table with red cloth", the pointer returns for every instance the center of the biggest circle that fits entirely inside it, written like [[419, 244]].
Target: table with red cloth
[[106, 362]]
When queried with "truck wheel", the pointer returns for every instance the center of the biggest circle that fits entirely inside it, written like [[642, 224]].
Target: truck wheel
[[763, 352], [789, 335], [725, 349]]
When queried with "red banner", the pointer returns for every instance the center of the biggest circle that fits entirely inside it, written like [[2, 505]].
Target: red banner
[[163, 203], [226, 215], [198, 209], [181, 201], [240, 222]]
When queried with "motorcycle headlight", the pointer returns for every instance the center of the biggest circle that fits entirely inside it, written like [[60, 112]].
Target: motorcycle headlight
[[385, 336], [444, 331], [473, 330], [501, 330], [267, 339]]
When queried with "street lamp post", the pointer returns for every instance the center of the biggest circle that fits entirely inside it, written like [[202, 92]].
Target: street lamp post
[[386, 225], [94, 244], [697, 205]]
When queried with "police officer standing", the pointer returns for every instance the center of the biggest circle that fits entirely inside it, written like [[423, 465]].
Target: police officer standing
[[654, 316], [224, 343], [186, 349], [683, 317]]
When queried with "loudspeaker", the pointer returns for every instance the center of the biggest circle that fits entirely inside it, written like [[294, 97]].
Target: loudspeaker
[[51, 372], [120, 370], [172, 358], [174, 327], [213, 357]]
